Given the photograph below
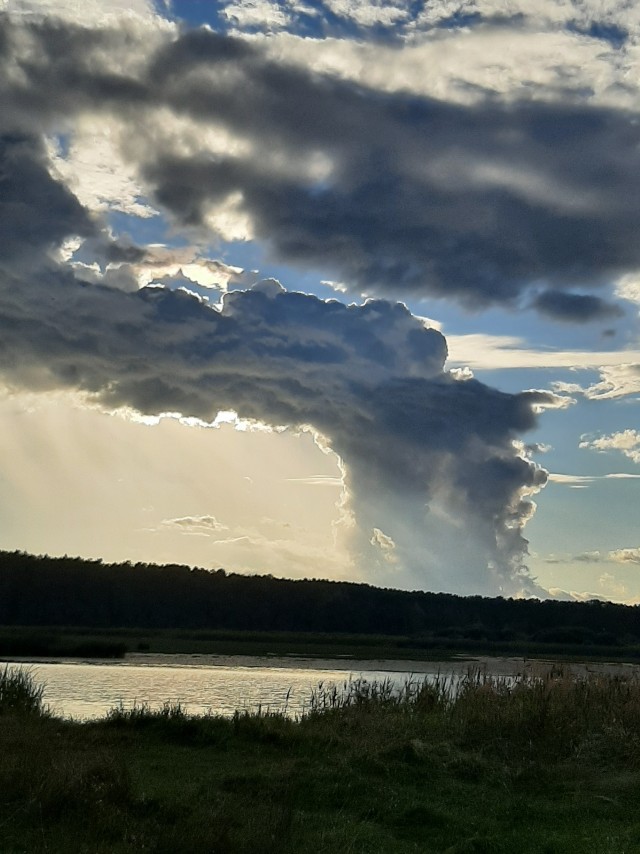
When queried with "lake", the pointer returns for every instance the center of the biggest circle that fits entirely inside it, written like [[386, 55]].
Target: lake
[[86, 689]]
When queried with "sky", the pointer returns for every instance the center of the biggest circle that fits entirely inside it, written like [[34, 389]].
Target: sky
[[332, 289]]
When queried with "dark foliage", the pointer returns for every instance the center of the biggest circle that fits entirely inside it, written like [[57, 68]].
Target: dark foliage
[[43, 591]]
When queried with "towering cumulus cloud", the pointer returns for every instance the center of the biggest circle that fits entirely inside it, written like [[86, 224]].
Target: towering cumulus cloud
[[434, 484]]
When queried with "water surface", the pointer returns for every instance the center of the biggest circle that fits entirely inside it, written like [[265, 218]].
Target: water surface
[[81, 689]]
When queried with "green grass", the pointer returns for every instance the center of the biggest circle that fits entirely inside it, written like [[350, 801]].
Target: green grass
[[544, 765]]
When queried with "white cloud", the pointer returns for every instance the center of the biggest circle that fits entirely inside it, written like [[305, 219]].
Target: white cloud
[[582, 480], [536, 59], [338, 287], [589, 557], [537, 448], [195, 524], [628, 287], [579, 19], [616, 381], [626, 441], [619, 369], [385, 544], [163, 262], [317, 480], [368, 13], [257, 13], [87, 12], [626, 556], [549, 400], [95, 169], [497, 352], [629, 556], [573, 595]]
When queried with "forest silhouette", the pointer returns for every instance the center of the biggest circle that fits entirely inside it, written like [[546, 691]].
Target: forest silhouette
[[71, 591]]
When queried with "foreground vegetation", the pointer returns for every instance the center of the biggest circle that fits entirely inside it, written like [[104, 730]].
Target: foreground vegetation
[[539, 765]]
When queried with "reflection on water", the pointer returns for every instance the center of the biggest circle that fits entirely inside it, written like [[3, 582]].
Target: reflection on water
[[217, 684], [222, 684]]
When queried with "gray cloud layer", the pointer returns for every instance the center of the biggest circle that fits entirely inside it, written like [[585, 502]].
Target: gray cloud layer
[[478, 203], [570, 307], [430, 461], [521, 204]]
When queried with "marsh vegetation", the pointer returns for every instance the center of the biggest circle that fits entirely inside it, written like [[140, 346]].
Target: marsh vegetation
[[537, 764]]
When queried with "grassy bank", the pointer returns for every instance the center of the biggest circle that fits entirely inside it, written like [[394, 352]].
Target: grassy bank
[[69, 641], [544, 765], [115, 643]]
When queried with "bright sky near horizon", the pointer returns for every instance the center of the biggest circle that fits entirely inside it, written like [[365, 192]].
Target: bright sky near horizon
[[325, 289]]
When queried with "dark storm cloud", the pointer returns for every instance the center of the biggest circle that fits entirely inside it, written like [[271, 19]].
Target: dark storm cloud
[[368, 378], [124, 253], [413, 196], [434, 481], [390, 231], [36, 213], [51, 70], [575, 308], [474, 202]]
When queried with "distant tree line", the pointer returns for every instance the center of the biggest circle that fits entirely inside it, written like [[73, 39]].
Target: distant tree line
[[44, 591]]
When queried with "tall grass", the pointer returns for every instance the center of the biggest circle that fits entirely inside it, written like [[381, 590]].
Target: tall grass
[[142, 713], [557, 714], [20, 694], [479, 763], [413, 695]]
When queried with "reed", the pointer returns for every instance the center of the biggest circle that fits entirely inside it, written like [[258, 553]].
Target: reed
[[555, 714], [143, 713], [20, 694], [537, 763]]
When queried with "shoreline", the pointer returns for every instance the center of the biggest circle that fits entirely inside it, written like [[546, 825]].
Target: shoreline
[[118, 644]]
